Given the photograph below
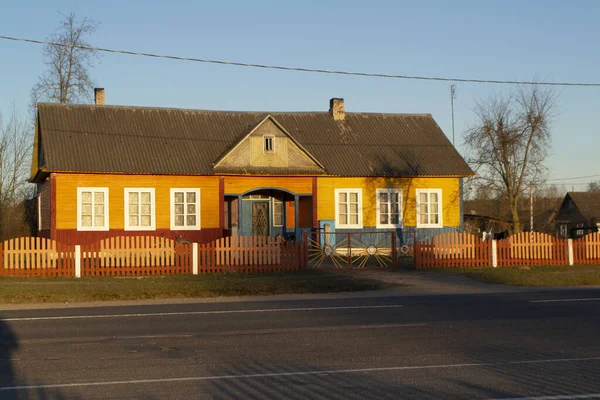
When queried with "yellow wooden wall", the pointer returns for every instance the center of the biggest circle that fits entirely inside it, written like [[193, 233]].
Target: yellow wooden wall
[[241, 184], [66, 196], [67, 184], [450, 196]]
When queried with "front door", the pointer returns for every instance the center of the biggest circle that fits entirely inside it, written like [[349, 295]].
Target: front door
[[260, 218]]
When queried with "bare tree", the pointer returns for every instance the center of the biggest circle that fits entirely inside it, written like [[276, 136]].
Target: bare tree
[[15, 156], [67, 79], [509, 143], [593, 186]]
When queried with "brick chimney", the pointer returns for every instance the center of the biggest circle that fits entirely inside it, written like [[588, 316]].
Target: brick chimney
[[336, 109], [99, 96]]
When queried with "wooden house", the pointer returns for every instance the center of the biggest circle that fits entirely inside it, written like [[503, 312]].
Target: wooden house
[[578, 215], [105, 171]]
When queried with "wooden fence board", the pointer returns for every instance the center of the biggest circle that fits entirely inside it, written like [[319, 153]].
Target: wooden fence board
[[453, 249], [586, 249], [29, 256], [249, 254]]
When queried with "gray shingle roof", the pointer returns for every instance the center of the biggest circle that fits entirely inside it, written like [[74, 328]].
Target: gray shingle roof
[[91, 138], [588, 203]]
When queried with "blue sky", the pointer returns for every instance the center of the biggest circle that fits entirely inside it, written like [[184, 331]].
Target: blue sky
[[522, 40]]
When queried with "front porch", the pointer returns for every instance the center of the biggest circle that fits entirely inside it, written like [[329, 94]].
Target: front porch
[[269, 212]]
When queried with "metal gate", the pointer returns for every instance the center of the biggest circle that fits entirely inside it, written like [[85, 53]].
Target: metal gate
[[381, 249]]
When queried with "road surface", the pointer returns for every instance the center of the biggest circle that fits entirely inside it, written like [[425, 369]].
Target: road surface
[[485, 346]]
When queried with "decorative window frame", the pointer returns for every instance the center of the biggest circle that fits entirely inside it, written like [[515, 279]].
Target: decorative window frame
[[198, 225], [400, 223], [440, 223], [80, 226], [337, 206], [272, 205], [152, 226]]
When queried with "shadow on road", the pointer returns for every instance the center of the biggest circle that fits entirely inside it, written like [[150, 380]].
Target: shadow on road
[[9, 378]]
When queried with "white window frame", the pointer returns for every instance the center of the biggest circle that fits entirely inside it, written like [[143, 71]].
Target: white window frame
[[185, 227], [440, 223], [273, 200], [337, 206], [389, 191], [265, 138], [80, 226], [152, 226]]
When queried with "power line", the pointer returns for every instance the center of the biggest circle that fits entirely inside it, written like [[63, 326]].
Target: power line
[[299, 69], [574, 177]]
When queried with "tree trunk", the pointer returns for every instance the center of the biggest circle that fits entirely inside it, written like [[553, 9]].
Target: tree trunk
[[514, 212]]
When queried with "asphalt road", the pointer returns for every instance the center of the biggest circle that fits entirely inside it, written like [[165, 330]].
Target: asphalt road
[[519, 345]]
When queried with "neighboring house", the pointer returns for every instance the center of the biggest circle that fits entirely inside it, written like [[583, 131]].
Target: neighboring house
[[477, 224], [105, 171], [578, 215]]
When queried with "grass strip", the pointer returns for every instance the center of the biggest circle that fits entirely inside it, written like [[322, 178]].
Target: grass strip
[[71, 290], [578, 275]]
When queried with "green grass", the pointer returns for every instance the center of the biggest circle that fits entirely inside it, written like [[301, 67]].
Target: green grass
[[578, 275], [61, 290]]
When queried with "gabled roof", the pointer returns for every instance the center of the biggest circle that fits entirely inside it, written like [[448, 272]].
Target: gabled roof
[[148, 140], [588, 203], [318, 167]]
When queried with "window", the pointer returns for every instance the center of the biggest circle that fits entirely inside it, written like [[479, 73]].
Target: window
[[92, 209], [429, 208], [277, 212], [185, 209], [348, 208], [139, 209], [389, 208], [580, 232], [269, 144], [563, 230]]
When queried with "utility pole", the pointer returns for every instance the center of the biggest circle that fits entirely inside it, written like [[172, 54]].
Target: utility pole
[[531, 206], [452, 97]]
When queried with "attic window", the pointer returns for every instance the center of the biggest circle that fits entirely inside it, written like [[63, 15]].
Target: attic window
[[269, 144]]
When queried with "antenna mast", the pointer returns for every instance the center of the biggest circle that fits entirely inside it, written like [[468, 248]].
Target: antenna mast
[[452, 97]]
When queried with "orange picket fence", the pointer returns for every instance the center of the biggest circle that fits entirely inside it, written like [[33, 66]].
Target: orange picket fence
[[136, 255], [453, 249], [250, 254], [34, 256], [532, 248], [586, 249]]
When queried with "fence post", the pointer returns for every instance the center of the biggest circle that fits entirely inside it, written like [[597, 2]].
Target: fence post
[[77, 261], [417, 254], [394, 250], [195, 258], [494, 253], [570, 249]]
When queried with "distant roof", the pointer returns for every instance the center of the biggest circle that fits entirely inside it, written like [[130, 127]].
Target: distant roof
[[588, 203], [150, 140]]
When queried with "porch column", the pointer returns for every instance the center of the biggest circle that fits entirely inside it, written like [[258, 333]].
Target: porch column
[[239, 216], [296, 218]]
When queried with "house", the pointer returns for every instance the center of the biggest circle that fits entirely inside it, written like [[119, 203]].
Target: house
[[104, 171], [477, 224], [578, 215], [494, 216]]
